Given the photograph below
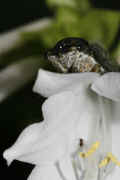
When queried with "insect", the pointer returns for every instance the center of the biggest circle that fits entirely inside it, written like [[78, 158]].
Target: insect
[[74, 54], [81, 142]]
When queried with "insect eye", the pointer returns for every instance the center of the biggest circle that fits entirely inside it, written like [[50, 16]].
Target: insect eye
[[60, 47], [79, 48]]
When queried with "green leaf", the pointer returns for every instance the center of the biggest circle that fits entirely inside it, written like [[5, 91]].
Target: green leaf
[[95, 25]]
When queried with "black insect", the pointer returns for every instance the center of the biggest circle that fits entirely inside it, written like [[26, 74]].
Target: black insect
[[74, 54], [81, 142]]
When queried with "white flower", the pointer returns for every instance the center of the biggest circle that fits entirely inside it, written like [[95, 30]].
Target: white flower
[[79, 106]]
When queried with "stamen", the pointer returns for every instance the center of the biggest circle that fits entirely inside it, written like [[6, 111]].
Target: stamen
[[104, 162], [90, 151], [109, 158]]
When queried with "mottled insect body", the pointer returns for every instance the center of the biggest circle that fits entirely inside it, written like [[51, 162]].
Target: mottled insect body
[[83, 63], [77, 55], [73, 61]]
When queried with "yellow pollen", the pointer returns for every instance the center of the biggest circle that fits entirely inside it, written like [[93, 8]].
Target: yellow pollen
[[90, 151], [105, 161], [109, 158]]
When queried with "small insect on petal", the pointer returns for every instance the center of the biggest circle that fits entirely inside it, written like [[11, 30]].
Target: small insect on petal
[[81, 142]]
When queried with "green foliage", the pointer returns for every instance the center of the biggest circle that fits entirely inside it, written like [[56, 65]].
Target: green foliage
[[94, 25], [75, 18], [82, 4]]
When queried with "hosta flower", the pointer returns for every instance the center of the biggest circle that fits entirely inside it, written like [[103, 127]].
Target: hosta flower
[[81, 109]]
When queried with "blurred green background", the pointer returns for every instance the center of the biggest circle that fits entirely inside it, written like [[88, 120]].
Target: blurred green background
[[94, 20]]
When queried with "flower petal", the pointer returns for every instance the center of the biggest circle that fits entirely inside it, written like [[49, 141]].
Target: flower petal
[[45, 173], [49, 83], [66, 168], [114, 175], [47, 141], [51, 140], [115, 150], [115, 123], [115, 112], [108, 86], [115, 140], [24, 142]]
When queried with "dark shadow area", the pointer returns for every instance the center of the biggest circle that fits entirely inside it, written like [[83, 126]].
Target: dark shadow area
[[17, 170], [17, 112], [15, 13], [106, 4], [116, 41]]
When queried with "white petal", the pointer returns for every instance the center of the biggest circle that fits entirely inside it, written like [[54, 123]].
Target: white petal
[[24, 142], [115, 139], [67, 117], [115, 150], [57, 107], [115, 112], [87, 127], [114, 175], [108, 86], [115, 120], [49, 83], [45, 173], [48, 141], [66, 169]]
